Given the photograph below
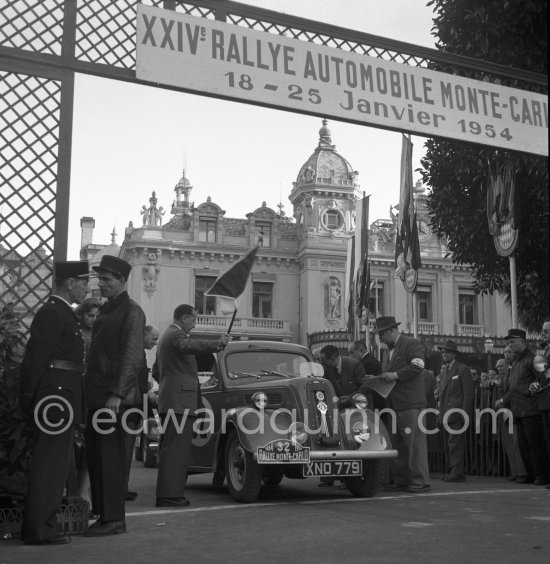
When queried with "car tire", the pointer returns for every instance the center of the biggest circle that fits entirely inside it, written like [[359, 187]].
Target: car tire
[[149, 455], [272, 480], [138, 453], [244, 476], [371, 481]]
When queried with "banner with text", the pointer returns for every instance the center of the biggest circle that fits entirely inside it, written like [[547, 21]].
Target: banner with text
[[213, 57]]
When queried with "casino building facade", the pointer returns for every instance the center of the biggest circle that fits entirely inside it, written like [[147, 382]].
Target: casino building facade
[[297, 287]]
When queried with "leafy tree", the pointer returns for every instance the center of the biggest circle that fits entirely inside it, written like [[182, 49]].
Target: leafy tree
[[512, 33]]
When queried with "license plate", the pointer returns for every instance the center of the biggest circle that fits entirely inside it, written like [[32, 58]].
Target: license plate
[[334, 468], [282, 451]]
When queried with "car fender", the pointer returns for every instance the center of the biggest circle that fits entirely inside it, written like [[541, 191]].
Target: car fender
[[257, 428], [379, 438]]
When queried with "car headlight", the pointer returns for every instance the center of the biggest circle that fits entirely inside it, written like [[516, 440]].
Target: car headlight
[[259, 400], [361, 432], [297, 433], [360, 401]]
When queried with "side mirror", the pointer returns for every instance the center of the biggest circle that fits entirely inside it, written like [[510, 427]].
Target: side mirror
[[312, 369]]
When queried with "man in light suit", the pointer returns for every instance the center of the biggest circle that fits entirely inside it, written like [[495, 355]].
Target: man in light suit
[[403, 365], [455, 403], [175, 370]]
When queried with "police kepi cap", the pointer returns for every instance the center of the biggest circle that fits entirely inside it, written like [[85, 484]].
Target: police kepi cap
[[449, 346], [383, 323], [514, 333], [115, 265], [64, 269]]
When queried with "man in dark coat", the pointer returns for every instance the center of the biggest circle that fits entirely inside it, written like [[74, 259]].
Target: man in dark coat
[[51, 376], [345, 373], [543, 398], [175, 370], [358, 350], [403, 365], [456, 404], [112, 390], [525, 411]]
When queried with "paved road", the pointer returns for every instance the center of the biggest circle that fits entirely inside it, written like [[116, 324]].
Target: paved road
[[484, 520]]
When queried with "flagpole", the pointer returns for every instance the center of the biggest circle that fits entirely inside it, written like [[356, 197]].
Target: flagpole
[[232, 320], [415, 318]]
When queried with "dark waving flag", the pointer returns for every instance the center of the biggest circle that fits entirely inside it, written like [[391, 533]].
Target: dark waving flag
[[231, 284]]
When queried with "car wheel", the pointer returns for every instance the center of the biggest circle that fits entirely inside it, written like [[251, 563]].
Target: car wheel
[[371, 481], [149, 455], [244, 477], [138, 453], [272, 480]]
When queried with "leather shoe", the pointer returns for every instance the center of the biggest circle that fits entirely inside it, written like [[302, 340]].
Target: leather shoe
[[454, 478], [540, 482], [419, 488], [107, 528], [524, 480], [172, 502], [131, 496], [58, 539], [395, 488]]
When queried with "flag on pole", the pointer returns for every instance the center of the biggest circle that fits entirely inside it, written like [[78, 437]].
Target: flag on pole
[[232, 282], [350, 294], [407, 246], [362, 271]]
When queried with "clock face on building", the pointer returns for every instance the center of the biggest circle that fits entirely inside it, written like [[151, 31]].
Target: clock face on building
[[423, 230]]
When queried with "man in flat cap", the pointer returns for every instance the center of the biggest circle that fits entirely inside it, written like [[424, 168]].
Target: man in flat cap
[[112, 388], [403, 365], [52, 391], [456, 404], [525, 411]]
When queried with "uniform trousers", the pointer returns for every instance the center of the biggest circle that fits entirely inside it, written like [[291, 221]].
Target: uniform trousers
[[454, 445], [411, 464], [545, 415], [49, 467], [510, 442], [533, 447], [174, 450], [107, 465]]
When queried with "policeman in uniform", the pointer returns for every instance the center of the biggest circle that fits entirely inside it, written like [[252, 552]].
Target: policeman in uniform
[[52, 393]]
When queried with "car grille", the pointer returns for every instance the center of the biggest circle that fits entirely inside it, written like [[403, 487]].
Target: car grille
[[320, 398]]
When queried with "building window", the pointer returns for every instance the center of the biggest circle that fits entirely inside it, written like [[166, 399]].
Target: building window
[[424, 300], [205, 305], [207, 230], [332, 219], [264, 232], [262, 299], [376, 300], [467, 307]]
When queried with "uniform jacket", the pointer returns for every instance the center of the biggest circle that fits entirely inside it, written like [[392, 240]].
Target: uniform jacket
[[518, 397], [54, 335], [175, 370], [543, 399], [457, 391], [348, 379], [116, 353], [408, 392]]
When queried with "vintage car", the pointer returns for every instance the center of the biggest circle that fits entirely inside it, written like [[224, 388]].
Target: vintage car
[[268, 414]]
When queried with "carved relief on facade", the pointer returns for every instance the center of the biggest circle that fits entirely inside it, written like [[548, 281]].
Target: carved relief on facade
[[333, 298], [150, 274]]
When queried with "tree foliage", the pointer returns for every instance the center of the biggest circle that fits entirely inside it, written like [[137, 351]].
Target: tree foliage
[[512, 33]]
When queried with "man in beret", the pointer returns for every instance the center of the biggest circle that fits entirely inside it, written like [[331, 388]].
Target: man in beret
[[112, 388], [52, 391], [403, 365], [525, 411], [456, 402]]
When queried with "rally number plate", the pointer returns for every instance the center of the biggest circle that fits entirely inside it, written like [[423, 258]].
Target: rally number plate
[[334, 468]]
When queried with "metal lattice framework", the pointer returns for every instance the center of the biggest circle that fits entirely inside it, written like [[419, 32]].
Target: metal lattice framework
[[44, 42]]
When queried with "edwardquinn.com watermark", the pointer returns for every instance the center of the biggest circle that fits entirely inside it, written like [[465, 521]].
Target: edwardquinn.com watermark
[[54, 415]]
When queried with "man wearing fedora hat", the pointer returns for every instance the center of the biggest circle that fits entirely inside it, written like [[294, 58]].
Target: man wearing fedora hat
[[456, 403], [52, 391], [525, 411], [112, 388], [403, 365]]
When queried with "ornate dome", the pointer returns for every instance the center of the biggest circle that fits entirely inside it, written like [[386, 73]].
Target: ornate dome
[[326, 166]]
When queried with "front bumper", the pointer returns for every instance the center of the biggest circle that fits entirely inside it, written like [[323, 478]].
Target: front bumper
[[349, 454]]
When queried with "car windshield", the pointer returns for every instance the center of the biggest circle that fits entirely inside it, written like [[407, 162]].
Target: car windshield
[[264, 364]]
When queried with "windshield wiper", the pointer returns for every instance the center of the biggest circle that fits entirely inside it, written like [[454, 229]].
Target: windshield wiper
[[272, 372], [247, 374]]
